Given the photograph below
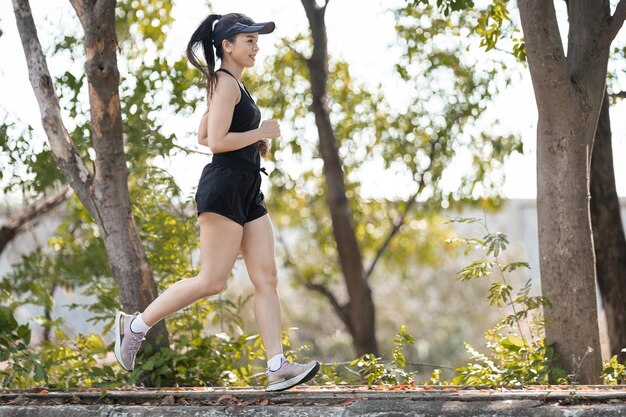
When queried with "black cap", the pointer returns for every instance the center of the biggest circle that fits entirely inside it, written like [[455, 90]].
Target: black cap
[[243, 27]]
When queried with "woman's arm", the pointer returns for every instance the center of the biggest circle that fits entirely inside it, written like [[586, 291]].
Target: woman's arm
[[215, 132], [202, 136]]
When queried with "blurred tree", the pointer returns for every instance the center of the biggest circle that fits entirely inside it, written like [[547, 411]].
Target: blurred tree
[[317, 186]]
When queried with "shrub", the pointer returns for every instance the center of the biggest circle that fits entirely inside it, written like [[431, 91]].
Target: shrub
[[515, 357]]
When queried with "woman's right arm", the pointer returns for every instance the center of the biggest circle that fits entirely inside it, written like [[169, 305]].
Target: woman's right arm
[[220, 115], [202, 137]]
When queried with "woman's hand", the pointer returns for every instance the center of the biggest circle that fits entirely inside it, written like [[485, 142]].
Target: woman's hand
[[264, 147], [269, 129]]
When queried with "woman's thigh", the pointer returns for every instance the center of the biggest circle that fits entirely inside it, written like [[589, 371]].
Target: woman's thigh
[[220, 239]]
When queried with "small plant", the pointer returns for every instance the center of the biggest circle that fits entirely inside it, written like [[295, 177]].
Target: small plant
[[23, 368], [374, 370], [435, 378], [613, 372], [516, 357]]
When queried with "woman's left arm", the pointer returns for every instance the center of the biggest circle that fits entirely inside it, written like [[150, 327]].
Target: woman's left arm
[[203, 138]]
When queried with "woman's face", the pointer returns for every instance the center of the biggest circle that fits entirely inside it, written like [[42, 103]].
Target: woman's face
[[243, 50]]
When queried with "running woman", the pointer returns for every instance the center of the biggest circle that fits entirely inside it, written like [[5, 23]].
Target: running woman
[[231, 209]]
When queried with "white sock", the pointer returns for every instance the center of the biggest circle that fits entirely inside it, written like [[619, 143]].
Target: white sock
[[137, 325], [276, 362]]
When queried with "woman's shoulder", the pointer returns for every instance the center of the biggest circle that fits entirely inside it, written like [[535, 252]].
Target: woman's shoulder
[[227, 86]]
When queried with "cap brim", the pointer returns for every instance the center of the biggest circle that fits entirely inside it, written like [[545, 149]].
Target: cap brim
[[261, 28]]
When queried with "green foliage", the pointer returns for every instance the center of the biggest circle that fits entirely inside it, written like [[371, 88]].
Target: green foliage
[[20, 362], [374, 371], [511, 362], [77, 362], [492, 24], [613, 372], [516, 357], [448, 6], [28, 169], [195, 358], [148, 20], [453, 91]]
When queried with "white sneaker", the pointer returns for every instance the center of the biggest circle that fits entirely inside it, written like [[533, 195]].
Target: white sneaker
[[291, 374]]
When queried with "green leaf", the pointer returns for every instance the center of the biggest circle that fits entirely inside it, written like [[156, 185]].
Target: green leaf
[[23, 332], [39, 373], [514, 266], [499, 294], [476, 269], [399, 357], [496, 242]]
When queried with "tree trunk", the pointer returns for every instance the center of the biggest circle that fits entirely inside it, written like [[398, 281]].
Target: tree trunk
[[608, 234], [105, 192], [360, 309], [569, 93]]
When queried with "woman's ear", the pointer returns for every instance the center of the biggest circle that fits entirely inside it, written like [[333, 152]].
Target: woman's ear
[[226, 46]]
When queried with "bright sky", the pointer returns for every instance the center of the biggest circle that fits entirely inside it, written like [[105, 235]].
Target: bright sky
[[365, 47]]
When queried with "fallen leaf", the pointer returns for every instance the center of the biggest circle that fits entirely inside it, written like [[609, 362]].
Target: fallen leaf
[[227, 397]]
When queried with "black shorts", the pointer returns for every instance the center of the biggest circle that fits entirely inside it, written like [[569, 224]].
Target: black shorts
[[232, 188]]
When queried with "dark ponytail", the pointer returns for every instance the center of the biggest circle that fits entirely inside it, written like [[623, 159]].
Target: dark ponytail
[[204, 36]]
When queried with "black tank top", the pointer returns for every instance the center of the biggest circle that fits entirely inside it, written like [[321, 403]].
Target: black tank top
[[246, 116]]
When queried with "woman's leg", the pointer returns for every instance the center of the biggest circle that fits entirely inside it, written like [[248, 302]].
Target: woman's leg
[[257, 248], [220, 239]]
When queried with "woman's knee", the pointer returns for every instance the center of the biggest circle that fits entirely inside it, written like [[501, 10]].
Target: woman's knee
[[208, 285], [265, 277]]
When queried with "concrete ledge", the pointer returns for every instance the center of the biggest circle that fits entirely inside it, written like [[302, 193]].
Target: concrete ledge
[[319, 401]]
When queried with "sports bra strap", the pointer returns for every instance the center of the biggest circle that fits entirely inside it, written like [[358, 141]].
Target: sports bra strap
[[229, 73], [239, 83]]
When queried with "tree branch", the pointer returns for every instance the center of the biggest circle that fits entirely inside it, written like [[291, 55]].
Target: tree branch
[[298, 53], [546, 57], [617, 20], [339, 308], [79, 8], [191, 150], [398, 224], [394, 230], [13, 225], [621, 94], [63, 150]]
